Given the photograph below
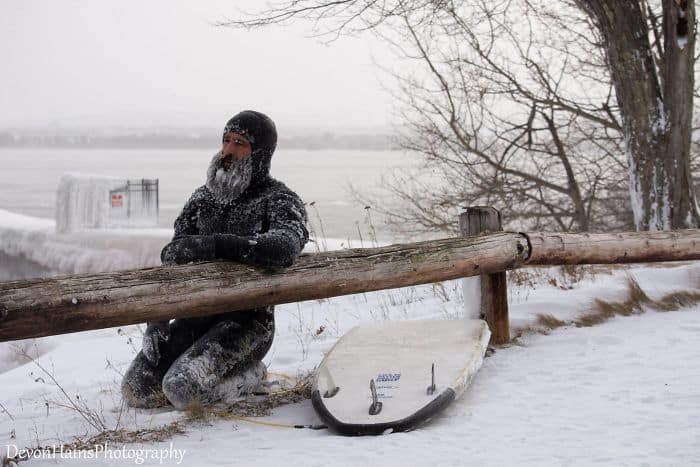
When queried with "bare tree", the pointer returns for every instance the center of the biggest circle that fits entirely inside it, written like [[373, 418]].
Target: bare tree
[[511, 113], [535, 108]]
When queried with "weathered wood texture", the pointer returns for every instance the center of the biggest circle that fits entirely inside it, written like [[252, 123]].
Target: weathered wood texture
[[549, 249], [77, 303], [478, 220]]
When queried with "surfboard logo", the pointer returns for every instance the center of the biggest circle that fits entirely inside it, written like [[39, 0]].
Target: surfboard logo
[[388, 377]]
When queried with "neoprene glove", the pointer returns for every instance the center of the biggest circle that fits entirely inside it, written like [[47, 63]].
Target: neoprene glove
[[156, 333], [195, 248], [190, 249]]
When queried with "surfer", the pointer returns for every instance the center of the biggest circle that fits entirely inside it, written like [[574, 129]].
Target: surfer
[[240, 214]]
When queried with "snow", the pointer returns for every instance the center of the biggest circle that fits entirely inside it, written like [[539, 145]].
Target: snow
[[621, 393], [636, 198], [658, 117], [471, 287], [35, 241]]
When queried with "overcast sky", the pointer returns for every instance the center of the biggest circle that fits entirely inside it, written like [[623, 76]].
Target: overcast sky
[[161, 62]]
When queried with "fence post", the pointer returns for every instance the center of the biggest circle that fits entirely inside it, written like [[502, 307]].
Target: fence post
[[477, 220]]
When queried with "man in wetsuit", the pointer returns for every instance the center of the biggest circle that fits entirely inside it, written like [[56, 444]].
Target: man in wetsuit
[[240, 214]]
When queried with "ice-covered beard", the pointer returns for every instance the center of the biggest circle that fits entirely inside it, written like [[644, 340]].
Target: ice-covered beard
[[227, 185]]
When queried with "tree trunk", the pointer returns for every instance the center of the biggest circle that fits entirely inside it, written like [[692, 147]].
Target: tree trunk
[[656, 114], [678, 85]]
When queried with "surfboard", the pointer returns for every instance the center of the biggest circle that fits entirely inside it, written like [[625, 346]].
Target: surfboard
[[393, 376]]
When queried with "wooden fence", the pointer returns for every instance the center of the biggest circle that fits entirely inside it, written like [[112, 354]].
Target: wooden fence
[[43, 307]]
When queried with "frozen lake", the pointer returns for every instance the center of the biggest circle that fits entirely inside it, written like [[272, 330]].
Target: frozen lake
[[29, 178]]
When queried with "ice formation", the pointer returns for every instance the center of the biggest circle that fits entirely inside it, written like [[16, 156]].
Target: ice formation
[[96, 201]]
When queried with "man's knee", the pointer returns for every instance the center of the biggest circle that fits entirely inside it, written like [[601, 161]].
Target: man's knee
[[226, 350], [141, 385], [182, 387]]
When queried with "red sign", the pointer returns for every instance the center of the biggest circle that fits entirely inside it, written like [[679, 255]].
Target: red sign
[[117, 201]]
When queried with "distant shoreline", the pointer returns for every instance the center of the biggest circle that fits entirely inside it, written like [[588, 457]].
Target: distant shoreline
[[184, 139]]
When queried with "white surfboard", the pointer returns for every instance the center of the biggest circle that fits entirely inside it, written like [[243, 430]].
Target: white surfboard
[[393, 376]]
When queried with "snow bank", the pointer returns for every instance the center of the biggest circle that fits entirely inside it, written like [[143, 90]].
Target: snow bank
[[621, 393], [32, 244]]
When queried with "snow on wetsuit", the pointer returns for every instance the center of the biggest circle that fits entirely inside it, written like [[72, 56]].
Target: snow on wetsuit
[[207, 359]]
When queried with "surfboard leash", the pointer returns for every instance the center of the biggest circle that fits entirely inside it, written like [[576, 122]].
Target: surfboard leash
[[279, 425], [293, 388]]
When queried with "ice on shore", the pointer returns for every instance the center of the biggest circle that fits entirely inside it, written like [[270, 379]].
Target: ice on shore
[[98, 201]]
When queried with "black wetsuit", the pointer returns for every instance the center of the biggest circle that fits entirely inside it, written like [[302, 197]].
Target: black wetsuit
[[205, 358]]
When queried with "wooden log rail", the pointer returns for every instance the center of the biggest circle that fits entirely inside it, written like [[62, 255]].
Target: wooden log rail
[[44, 307]]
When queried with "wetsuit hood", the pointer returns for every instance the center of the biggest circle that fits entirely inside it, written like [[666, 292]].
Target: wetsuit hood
[[262, 134]]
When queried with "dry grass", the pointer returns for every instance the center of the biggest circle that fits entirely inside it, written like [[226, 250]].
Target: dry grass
[[603, 310], [676, 301], [72, 402], [591, 319], [252, 406], [261, 407], [549, 322], [636, 302], [145, 435], [543, 325], [160, 400], [196, 411], [525, 277]]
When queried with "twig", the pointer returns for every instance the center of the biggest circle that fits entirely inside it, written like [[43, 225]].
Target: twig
[[92, 418], [7, 412]]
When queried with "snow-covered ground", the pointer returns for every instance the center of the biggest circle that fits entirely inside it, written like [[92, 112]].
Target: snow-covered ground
[[625, 392]]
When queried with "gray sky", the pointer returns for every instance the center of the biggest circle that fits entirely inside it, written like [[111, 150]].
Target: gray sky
[[161, 62]]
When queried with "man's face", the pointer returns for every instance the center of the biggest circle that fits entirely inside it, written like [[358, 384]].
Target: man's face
[[235, 146]]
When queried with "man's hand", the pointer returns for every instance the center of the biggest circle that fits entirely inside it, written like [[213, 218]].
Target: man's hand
[[155, 334], [189, 249]]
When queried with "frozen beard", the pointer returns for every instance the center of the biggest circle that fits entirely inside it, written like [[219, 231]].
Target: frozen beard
[[227, 185]]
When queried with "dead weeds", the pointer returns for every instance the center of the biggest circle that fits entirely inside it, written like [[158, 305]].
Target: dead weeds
[[262, 406], [253, 405], [676, 301], [636, 302], [549, 322], [603, 310], [106, 437]]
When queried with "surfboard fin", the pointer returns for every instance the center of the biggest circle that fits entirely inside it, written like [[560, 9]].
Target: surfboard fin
[[376, 406], [431, 388], [332, 388]]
